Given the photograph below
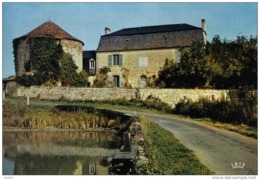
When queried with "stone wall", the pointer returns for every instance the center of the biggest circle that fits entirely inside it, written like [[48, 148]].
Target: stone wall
[[169, 96], [23, 55], [75, 49]]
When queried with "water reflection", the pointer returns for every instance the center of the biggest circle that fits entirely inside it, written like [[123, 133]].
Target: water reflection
[[58, 153]]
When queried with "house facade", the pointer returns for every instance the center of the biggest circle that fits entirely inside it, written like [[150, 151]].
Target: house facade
[[135, 55]]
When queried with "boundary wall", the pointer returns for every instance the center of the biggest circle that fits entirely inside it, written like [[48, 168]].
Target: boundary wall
[[169, 96]]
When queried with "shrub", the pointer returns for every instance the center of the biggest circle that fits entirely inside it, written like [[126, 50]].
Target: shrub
[[244, 112]]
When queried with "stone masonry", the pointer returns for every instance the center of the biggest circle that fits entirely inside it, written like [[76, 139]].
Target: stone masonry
[[169, 96]]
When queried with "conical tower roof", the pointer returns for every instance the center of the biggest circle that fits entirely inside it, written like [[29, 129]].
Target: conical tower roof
[[49, 29]]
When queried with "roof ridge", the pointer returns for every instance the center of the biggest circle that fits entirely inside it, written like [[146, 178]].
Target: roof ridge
[[158, 25], [153, 29]]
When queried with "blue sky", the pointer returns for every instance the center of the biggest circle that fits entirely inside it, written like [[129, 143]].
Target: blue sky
[[86, 21]]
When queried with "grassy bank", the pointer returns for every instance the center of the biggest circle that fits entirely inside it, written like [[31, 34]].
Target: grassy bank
[[18, 115], [167, 155], [144, 107], [240, 128]]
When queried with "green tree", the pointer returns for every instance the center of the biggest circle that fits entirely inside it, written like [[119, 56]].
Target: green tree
[[195, 69], [69, 75], [238, 62], [221, 64], [68, 70], [82, 79], [169, 76]]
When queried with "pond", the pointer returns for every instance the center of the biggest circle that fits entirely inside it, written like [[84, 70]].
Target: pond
[[58, 153]]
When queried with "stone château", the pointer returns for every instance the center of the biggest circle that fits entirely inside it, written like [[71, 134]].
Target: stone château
[[134, 55]]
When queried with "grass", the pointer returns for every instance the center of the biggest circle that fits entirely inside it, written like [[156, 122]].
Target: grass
[[239, 128], [19, 115], [167, 155]]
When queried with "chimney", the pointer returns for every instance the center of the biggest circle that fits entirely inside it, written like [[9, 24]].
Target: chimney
[[107, 30], [203, 24]]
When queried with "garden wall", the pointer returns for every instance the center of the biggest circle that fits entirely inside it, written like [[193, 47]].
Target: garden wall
[[169, 96]]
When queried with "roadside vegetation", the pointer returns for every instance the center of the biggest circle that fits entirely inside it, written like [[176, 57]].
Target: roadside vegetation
[[167, 156], [238, 115]]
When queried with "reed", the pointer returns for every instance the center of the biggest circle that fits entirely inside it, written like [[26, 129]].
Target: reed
[[33, 117]]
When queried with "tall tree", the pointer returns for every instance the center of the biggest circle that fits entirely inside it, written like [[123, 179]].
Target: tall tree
[[238, 61]]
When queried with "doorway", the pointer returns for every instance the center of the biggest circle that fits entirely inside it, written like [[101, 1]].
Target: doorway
[[143, 81], [116, 81]]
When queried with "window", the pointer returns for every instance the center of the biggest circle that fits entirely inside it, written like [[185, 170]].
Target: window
[[115, 60], [91, 64]]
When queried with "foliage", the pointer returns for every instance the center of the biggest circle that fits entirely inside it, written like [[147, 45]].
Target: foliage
[[194, 69], [15, 53], [235, 112], [221, 64], [50, 65], [44, 58], [149, 103], [82, 78], [238, 61], [28, 80], [169, 76], [101, 77], [69, 75], [167, 156]]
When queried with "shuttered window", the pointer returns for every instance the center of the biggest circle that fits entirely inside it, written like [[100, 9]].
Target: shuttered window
[[115, 60]]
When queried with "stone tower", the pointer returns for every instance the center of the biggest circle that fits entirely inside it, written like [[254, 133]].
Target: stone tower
[[49, 29]]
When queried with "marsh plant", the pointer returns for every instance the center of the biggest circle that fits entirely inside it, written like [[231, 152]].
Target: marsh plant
[[22, 116]]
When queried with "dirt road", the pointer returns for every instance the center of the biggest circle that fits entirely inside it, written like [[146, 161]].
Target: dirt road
[[217, 149]]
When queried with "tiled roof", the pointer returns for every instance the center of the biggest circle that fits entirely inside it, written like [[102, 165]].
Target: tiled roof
[[151, 37], [50, 29]]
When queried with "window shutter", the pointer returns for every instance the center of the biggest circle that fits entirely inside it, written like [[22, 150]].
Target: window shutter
[[120, 60], [109, 60], [110, 81], [121, 81]]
